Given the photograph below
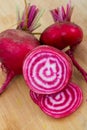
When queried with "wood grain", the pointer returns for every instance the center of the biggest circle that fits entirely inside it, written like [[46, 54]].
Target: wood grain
[[17, 111]]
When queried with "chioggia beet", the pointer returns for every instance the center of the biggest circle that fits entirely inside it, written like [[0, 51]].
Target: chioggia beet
[[47, 70], [60, 104], [16, 43], [64, 33]]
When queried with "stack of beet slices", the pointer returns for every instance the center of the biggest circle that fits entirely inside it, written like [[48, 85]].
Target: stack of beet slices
[[47, 72]]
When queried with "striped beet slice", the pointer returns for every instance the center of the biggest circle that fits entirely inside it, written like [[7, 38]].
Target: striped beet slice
[[34, 96], [47, 70], [63, 103]]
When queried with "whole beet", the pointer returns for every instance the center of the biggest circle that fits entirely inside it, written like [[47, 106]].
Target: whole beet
[[16, 43], [61, 35], [64, 33]]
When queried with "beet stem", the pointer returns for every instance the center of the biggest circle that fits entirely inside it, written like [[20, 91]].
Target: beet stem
[[9, 77], [82, 71]]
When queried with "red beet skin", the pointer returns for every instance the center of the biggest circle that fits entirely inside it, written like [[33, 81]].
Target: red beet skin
[[63, 103], [47, 70], [61, 35], [14, 45]]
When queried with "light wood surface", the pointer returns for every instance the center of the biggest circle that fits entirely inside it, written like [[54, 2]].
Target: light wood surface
[[17, 110]]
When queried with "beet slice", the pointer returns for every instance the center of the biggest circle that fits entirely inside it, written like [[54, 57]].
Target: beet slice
[[63, 103], [34, 96], [47, 70]]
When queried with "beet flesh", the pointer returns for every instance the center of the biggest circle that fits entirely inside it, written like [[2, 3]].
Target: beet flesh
[[63, 103], [60, 104], [47, 70]]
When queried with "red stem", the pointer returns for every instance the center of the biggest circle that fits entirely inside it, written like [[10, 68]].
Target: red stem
[[82, 71], [9, 77]]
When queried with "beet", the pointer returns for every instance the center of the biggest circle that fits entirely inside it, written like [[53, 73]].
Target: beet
[[64, 33], [61, 35], [47, 70], [60, 104], [63, 103], [15, 43]]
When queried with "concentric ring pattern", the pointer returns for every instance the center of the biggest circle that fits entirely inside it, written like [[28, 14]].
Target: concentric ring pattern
[[63, 103], [47, 71]]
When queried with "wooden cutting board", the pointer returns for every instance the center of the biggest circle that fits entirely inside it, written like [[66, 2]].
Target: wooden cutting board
[[17, 110]]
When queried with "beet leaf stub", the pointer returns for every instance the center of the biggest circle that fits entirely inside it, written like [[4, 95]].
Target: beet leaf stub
[[29, 21]]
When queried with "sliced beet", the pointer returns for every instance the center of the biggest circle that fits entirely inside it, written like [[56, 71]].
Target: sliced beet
[[34, 96], [63, 103], [47, 70]]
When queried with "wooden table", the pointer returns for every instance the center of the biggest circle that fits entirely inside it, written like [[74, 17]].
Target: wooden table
[[17, 110]]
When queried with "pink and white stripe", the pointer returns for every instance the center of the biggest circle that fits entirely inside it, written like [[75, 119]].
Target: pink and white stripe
[[63, 103], [47, 71]]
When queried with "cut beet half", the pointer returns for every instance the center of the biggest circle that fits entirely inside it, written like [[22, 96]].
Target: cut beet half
[[34, 96], [47, 70], [63, 103]]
